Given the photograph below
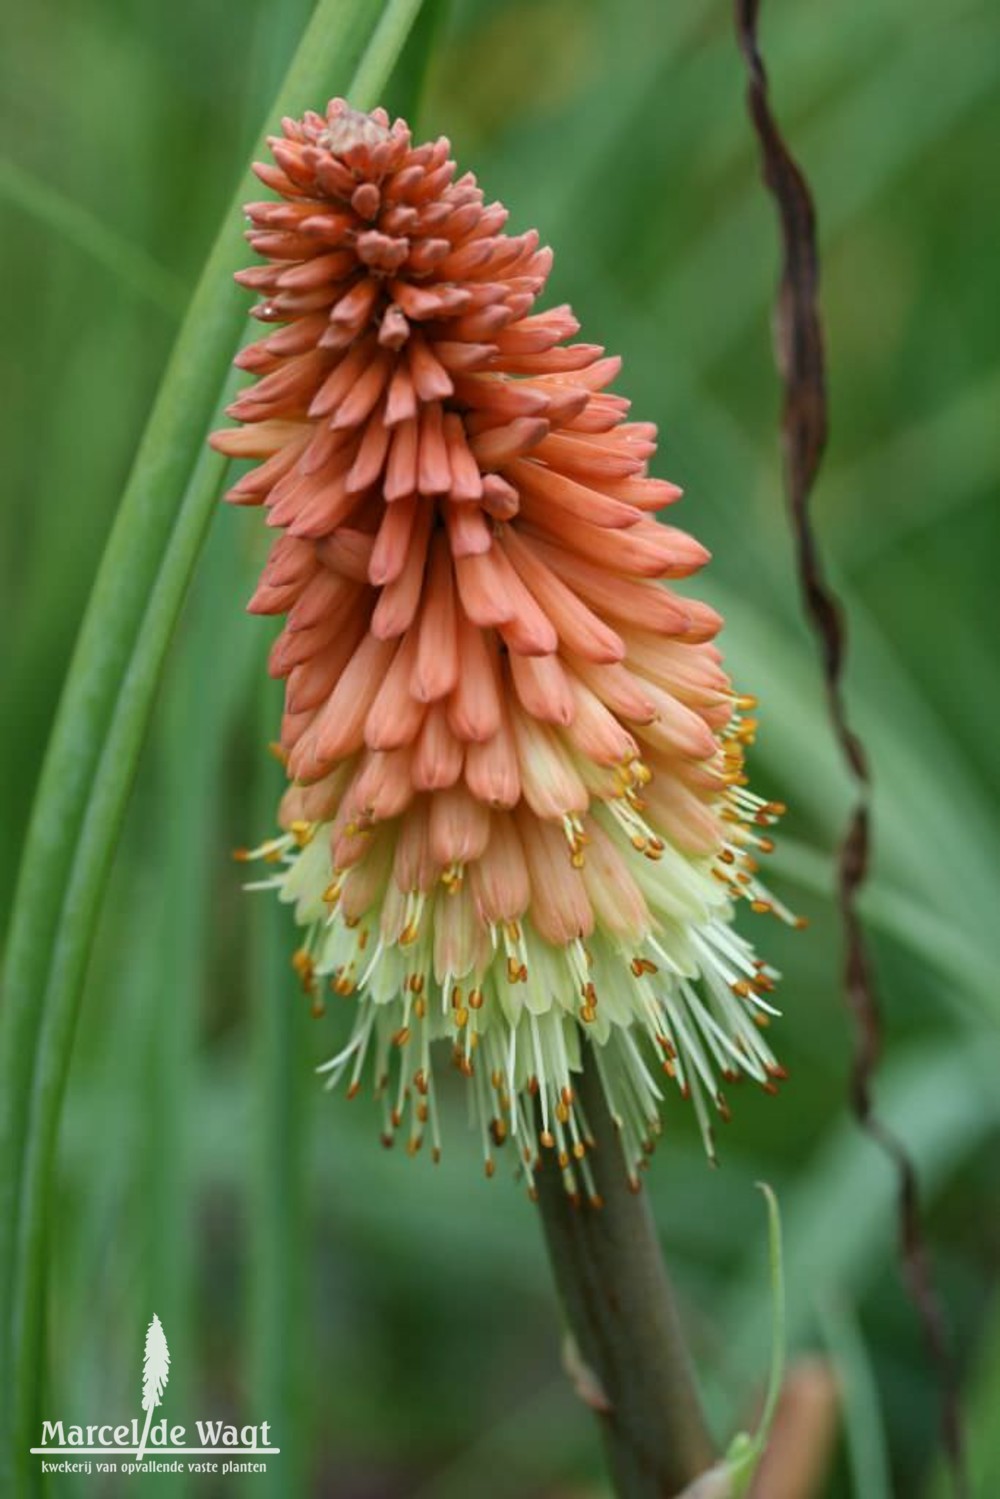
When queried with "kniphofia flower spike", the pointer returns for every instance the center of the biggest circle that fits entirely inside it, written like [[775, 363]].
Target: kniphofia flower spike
[[517, 819]]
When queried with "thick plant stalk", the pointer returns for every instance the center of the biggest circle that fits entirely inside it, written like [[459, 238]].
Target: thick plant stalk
[[621, 1314]]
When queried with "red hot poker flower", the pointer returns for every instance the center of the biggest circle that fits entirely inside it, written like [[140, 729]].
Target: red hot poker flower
[[517, 816]]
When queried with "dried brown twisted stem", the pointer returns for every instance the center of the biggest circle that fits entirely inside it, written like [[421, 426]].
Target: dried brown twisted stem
[[801, 364], [620, 1309]]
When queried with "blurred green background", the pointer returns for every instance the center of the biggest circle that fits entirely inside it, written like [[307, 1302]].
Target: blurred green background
[[396, 1323]]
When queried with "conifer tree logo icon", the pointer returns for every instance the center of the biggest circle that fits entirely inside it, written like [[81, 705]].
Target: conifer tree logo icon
[[155, 1373]]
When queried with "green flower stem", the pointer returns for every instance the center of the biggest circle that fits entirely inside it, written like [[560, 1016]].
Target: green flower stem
[[89, 865], [620, 1311], [104, 711], [199, 709], [280, 1350]]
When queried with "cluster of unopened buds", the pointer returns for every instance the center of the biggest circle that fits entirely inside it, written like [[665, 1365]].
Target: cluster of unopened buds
[[517, 817]]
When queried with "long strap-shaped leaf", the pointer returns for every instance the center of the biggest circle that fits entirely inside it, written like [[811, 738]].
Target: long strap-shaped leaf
[[350, 47]]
